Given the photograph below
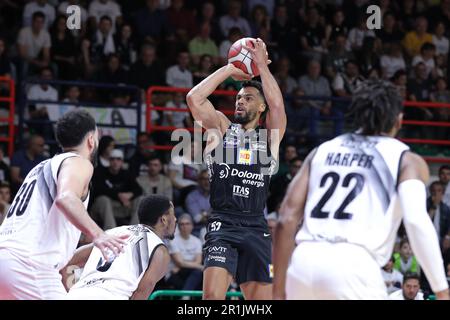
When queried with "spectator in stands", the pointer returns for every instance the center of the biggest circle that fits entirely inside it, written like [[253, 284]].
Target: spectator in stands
[[152, 22], [113, 71], [105, 146], [186, 253], [183, 171], [279, 185], [233, 35], [440, 40], [419, 89], [392, 61], [42, 111], [312, 36], [155, 182], [260, 19], [116, 193], [24, 160], [63, 51], [177, 119], [439, 213], [404, 260], [345, 83], [336, 27], [203, 44], [5, 62], [314, 84], [98, 46], [5, 199], [5, 170], [426, 56], [399, 79], [338, 56], [207, 15], [290, 153], [392, 277], [390, 33], [204, 69], [441, 94], [410, 288], [197, 202], [125, 46], [181, 19], [444, 178], [407, 15], [34, 45], [179, 75], [139, 161], [39, 6], [147, 71], [368, 57], [415, 39], [283, 30], [298, 115], [109, 8], [234, 19], [357, 34], [283, 76]]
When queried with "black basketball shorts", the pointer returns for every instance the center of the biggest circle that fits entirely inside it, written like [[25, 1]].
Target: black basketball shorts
[[241, 245]]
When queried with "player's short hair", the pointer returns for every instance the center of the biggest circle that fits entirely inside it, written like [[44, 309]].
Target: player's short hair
[[73, 127], [436, 183], [153, 207], [410, 275], [37, 14], [375, 106], [258, 86], [444, 167]]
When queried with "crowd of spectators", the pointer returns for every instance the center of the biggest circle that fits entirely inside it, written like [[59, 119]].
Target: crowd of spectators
[[318, 48]]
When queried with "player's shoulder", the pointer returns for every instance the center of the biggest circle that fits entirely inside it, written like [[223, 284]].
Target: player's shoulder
[[77, 164], [413, 166], [414, 160]]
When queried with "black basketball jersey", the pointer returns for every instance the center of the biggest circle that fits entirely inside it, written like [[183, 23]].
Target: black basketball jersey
[[240, 167]]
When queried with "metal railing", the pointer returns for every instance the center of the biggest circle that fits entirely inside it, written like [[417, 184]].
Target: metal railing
[[189, 293]]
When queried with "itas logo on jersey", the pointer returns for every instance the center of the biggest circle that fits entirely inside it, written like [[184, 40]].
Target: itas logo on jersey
[[241, 191]]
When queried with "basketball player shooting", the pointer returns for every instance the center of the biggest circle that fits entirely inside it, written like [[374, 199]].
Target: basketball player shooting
[[351, 195], [43, 225], [238, 241]]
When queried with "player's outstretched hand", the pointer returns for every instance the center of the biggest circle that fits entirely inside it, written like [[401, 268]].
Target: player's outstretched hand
[[259, 52], [107, 243], [237, 74]]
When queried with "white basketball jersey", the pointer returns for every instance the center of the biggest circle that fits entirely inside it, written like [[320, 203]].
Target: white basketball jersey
[[34, 228], [352, 193], [121, 277]]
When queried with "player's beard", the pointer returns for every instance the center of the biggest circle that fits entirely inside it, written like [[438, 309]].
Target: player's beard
[[245, 117], [171, 236], [94, 156]]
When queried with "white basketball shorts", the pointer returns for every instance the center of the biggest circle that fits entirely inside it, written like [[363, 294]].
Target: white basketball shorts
[[24, 279], [332, 271]]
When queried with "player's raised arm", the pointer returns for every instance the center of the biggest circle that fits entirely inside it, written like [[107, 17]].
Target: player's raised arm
[[276, 117], [291, 213], [421, 233], [157, 269], [72, 186], [197, 99]]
